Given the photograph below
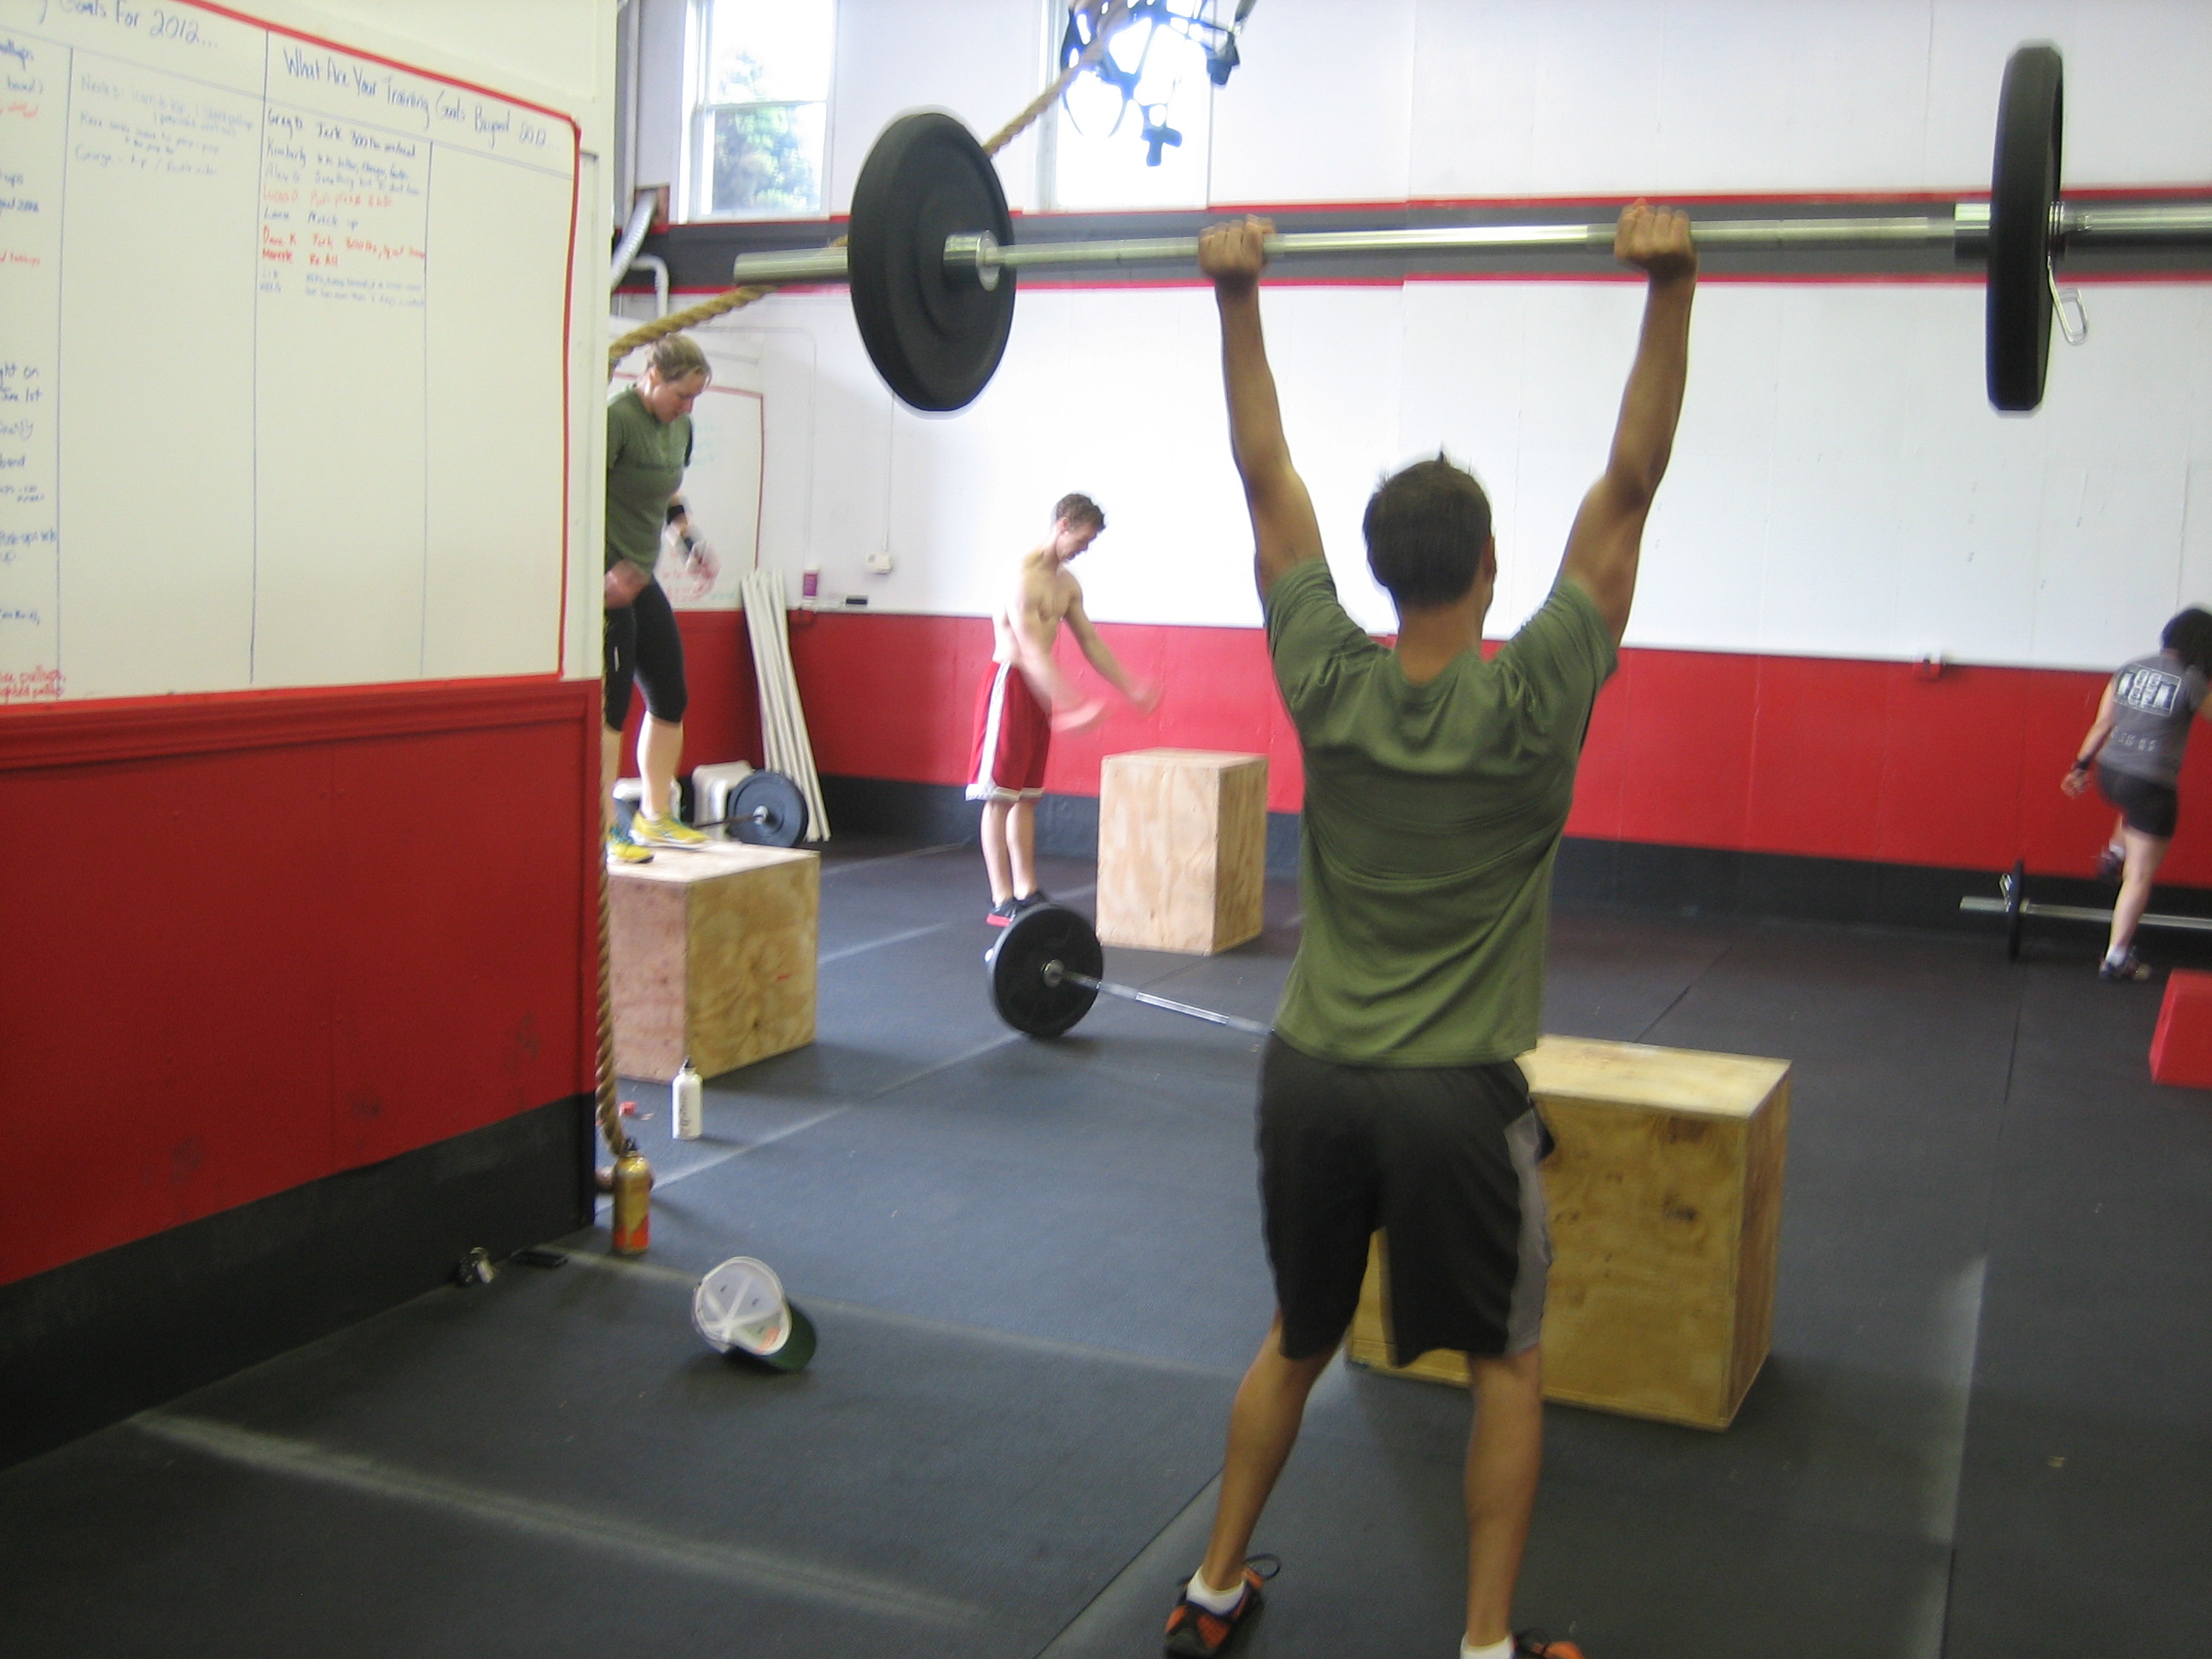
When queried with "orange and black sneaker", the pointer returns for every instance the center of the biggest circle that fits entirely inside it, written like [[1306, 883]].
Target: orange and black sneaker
[[1534, 1644], [1198, 1633]]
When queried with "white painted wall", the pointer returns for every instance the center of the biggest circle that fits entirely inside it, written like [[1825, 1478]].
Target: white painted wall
[[1840, 486]]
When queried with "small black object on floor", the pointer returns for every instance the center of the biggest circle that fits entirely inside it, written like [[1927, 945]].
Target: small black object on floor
[[1985, 1429]]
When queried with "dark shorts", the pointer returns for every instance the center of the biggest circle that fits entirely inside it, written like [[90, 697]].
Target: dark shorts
[[1443, 1161], [643, 644], [2146, 808]]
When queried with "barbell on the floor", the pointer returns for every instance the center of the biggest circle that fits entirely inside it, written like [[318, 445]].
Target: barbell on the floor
[[766, 809], [2013, 904], [931, 259], [1043, 972]]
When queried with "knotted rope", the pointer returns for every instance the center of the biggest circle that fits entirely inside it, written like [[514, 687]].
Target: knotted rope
[[1111, 16]]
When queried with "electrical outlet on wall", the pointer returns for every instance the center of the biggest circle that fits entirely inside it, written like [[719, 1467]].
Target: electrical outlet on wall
[[880, 563]]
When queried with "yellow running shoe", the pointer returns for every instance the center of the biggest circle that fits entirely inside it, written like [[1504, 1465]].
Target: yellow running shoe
[[652, 830], [620, 850]]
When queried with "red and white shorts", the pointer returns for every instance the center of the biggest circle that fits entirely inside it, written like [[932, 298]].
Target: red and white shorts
[[1013, 736]]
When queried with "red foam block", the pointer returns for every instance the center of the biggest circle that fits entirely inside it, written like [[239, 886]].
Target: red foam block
[[2181, 1050]]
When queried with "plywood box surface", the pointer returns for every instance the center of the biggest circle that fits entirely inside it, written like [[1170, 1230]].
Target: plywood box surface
[[713, 956], [1182, 849], [1666, 1206]]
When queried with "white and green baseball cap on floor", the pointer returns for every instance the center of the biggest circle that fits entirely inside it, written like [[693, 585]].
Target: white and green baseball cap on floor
[[740, 1308]]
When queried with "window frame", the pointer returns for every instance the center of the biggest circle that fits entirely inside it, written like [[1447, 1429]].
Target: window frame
[[1051, 136], [696, 179]]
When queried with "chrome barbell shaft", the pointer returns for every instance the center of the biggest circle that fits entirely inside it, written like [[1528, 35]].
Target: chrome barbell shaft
[[1057, 972], [2084, 912], [1964, 228]]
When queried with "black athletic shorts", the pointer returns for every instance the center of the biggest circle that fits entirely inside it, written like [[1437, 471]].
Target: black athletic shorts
[[2146, 808], [1443, 1161], [642, 643]]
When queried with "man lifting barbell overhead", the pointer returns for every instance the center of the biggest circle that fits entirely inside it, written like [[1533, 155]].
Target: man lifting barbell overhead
[[1437, 788], [2135, 744], [1025, 699]]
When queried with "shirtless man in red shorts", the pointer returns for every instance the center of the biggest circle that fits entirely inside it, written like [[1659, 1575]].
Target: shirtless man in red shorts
[[1026, 698]]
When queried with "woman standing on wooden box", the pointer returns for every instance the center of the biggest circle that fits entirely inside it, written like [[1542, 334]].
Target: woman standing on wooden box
[[648, 446], [2135, 745]]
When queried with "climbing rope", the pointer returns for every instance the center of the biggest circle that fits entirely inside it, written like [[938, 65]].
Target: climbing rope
[[1111, 17]]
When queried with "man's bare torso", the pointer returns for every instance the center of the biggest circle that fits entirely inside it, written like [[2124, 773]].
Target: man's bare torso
[[1044, 591]]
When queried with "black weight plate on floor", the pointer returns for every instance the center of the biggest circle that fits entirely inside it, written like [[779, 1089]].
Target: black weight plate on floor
[[2015, 897], [782, 822], [1014, 969], [2023, 186], [935, 338]]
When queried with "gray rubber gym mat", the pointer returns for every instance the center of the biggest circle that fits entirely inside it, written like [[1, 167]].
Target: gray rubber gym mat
[[1037, 1272], [555, 1464]]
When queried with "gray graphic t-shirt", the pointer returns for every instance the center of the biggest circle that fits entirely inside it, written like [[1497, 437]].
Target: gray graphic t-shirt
[[2153, 701]]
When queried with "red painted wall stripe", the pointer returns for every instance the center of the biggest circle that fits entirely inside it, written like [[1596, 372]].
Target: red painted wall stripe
[[1819, 756]]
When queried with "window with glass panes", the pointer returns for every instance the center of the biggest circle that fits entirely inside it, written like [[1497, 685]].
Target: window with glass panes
[[760, 112], [1100, 155]]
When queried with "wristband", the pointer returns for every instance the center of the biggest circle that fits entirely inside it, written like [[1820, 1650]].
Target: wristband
[[2081, 763]]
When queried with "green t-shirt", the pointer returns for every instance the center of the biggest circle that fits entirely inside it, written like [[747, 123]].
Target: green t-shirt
[[645, 464], [1432, 814]]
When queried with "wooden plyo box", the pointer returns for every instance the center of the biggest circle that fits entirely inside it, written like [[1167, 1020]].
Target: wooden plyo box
[[1182, 849], [712, 956], [1666, 1209]]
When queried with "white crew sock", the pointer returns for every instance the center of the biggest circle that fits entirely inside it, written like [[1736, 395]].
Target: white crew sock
[[1214, 1601], [1495, 1650]]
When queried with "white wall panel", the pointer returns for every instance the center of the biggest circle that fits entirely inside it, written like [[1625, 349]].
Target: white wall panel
[[2136, 113], [981, 59], [1322, 109], [1618, 97], [2111, 571], [1840, 486]]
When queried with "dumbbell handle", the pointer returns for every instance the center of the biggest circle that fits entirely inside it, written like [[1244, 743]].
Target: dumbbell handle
[[1056, 974]]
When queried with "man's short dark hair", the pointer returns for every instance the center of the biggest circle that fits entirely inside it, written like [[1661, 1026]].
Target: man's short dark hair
[[1079, 509], [2189, 636], [1427, 527]]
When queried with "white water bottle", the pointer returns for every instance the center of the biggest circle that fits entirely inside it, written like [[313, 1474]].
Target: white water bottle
[[685, 1096]]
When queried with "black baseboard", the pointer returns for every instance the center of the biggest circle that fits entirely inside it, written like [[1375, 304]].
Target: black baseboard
[[1688, 881], [89, 1343]]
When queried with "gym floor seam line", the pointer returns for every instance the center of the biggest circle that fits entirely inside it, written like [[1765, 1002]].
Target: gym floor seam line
[[1690, 984], [619, 1267], [1941, 1624], [1194, 1518], [843, 866], [752, 1569], [770, 1138], [829, 957]]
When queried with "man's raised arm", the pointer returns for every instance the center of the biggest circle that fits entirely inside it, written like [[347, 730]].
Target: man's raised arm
[[1284, 529], [1607, 539]]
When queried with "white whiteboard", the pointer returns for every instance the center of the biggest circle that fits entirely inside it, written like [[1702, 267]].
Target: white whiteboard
[[282, 343]]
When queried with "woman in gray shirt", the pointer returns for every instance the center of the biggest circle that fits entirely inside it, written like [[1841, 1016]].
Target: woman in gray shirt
[[2136, 744]]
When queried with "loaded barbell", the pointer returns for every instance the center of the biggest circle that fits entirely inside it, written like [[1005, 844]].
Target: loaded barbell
[[766, 809], [1044, 970], [932, 260], [2012, 904]]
